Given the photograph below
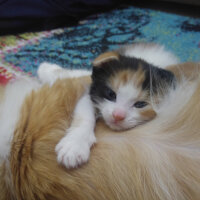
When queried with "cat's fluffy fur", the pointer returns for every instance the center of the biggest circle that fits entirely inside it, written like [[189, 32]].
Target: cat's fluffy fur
[[152, 53], [159, 160]]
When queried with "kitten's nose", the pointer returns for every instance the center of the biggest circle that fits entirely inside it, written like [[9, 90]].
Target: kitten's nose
[[118, 115]]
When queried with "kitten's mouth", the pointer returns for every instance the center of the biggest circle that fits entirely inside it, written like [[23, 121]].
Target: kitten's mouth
[[117, 126]]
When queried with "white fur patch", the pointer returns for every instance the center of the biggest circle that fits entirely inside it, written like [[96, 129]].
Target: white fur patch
[[49, 73], [175, 100], [125, 98], [10, 109], [155, 54]]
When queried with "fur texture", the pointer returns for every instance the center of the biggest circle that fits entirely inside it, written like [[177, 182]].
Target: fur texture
[[152, 53], [159, 160]]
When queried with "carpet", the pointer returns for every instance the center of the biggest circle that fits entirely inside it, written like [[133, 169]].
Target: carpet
[[77, 46]]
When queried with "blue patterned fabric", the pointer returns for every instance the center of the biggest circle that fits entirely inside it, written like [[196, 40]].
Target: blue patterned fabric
[[76, 47]]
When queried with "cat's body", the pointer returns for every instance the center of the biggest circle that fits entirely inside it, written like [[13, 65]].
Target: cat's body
[[156, 161]]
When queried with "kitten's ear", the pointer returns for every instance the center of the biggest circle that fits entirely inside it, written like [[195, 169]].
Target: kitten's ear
[[163, 79], [166, 76], [105, 57]]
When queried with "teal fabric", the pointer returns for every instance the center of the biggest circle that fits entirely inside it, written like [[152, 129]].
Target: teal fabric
[[76, 47]]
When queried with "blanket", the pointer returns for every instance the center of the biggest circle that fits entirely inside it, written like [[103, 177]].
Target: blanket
[[76, 46]]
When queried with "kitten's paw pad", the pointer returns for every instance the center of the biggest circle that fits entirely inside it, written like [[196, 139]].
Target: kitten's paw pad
[[72, 153], [46, 71]]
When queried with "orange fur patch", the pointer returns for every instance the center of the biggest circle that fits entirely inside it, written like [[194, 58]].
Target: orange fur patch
[[187, 70], [148, 114], [127, 76], [105, 57]]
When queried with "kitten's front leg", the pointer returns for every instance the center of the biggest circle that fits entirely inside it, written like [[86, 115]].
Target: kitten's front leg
[[74, 148]]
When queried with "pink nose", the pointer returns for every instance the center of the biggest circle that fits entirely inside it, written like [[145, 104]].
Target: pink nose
[[118, 115]]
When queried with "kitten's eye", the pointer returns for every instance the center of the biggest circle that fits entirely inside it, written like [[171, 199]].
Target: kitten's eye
[[140, 104], [109, 94]]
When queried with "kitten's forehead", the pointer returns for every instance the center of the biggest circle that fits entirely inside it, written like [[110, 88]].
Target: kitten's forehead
[[127, 79], [127, 92]]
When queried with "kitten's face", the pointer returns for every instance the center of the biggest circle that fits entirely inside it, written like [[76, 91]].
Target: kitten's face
[[120, 91], [124, 104]]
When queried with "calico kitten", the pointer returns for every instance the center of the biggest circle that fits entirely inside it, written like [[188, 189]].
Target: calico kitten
[[125, 89]]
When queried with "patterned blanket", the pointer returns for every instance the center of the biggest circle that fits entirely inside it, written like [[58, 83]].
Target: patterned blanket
[[76, 47]]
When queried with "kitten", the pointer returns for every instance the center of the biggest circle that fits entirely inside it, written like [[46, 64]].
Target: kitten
[[132, 77], [125, 89]]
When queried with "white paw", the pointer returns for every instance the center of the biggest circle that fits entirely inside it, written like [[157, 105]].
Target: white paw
[[47, 72], [72, 152]]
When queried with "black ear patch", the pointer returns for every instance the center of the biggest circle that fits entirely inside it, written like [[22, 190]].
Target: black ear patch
[[158, 80]]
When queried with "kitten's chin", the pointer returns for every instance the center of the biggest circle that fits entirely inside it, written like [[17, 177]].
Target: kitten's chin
[[118, 127]]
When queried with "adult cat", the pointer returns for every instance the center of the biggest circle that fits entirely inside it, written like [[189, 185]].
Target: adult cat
[[158, 160]]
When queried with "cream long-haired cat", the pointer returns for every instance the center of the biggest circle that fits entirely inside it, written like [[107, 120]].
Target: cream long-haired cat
[[158, 160]]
